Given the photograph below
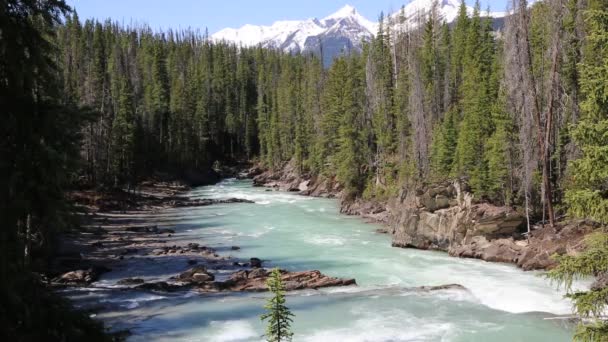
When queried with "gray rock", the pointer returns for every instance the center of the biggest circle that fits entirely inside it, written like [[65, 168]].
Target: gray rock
[[202, 277], [255, 262], [130, 281]]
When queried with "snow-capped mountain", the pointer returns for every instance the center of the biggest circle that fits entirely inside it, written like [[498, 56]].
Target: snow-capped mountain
[[448, 10], [339, 32]]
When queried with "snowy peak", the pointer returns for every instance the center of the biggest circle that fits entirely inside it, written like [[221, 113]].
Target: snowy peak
[[446, 9], [349, 15], [339, 32], [292, 35], [343, 12]]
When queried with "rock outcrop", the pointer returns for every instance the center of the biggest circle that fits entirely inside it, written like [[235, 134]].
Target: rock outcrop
[[289, 179], [197, 274], [255, 262], [255, 280], [369, 210], [535, 253], [439, 288], [81, 277], [444, 217], [447, 218]]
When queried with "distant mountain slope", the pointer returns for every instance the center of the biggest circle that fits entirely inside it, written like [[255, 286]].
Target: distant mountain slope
[[341, 31]]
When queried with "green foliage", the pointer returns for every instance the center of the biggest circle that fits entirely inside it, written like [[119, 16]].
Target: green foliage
[[379, 74], [39, 154], [478, 90], [589, 305], [588, 194], [123, 131], [459, 38], [278, 315], [444, 145], [499, 154], [351, 146]]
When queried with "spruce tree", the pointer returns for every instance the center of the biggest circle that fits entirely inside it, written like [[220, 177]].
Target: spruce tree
[[476, 124], [588, 195], [589, 305], [335, 103], [350, 151], [278, 315], [444, 145], [123, 135]]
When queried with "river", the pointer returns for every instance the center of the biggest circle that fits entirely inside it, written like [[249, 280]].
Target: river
[[295, 232]]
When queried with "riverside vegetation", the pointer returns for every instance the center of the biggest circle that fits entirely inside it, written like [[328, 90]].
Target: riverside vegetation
[[520, 114]]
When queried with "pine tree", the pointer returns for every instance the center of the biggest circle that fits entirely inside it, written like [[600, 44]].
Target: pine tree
[[278, 315]]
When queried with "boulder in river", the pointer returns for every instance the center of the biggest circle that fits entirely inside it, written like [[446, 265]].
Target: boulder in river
[[440, 288], [255, 280], [206, 202], [165, 231], [196, 274], [161, 286], [255, 262], [202, 277]]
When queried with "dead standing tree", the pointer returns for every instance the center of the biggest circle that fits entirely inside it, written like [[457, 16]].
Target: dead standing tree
[[528, 99]]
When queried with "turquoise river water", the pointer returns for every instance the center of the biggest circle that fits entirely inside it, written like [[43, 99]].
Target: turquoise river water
[[295, 232]]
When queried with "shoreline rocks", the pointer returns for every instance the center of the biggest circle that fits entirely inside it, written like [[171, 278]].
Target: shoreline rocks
[[205, 202], [253, 280], [289, 179], [122, 238], [444, 217]]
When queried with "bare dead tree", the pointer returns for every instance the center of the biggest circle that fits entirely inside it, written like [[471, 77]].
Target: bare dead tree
[[416, 104], [520, 67], [522, 102]]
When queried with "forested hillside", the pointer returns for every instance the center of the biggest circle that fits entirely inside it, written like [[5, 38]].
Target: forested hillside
[[416, 106]]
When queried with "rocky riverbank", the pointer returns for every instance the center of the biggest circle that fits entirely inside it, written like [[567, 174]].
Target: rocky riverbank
[[121, 227], [445, 217]]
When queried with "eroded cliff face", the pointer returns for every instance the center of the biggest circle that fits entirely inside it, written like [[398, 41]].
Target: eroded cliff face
[[446, 218], [443, 217]]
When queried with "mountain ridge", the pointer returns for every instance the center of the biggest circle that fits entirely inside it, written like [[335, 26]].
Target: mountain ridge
[[339, 32]]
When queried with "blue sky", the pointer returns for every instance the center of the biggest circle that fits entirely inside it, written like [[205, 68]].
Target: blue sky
[[218, 14]]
